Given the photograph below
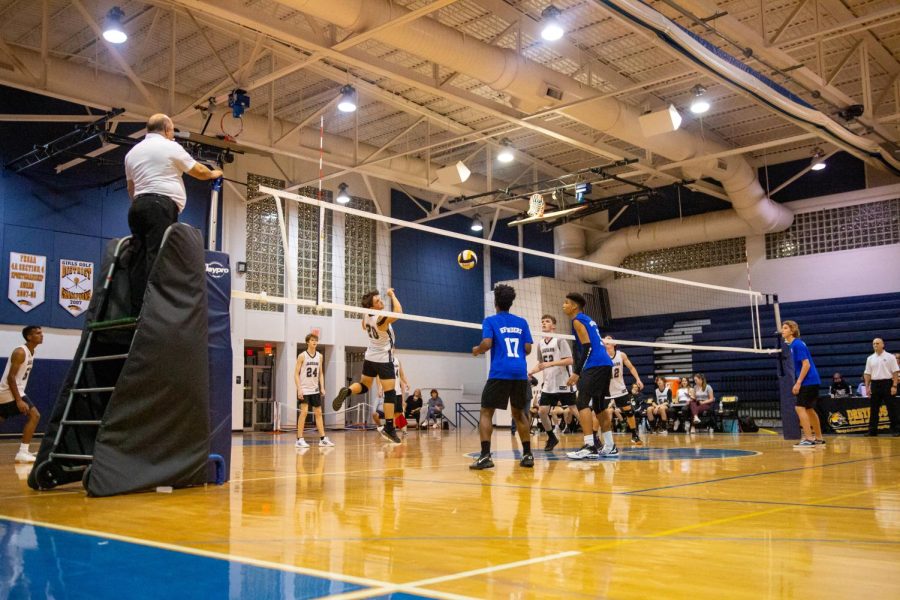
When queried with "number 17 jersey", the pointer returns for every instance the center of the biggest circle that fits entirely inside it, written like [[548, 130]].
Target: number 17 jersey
[[508, 333]]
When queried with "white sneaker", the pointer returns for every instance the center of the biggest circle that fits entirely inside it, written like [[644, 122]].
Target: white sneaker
[[25, 457], [696, 420], [607, 451], [325, 442], [585, 453], [301, 443], [380, 428]]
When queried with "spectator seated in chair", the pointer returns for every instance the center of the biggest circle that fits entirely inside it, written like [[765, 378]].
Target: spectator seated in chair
[[435, 415], [702, 399], [839, 388], [413, 409]]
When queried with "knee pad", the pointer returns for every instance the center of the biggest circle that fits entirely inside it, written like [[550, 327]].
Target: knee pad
[[364, 387]]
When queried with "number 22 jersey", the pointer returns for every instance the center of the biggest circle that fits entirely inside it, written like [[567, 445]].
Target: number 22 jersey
[[509, 334]]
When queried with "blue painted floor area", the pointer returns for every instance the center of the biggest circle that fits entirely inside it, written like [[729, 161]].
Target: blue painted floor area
[[40, 562], [631, 454]]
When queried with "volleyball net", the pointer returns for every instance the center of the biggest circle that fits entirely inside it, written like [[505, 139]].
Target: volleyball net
[[331, 254]]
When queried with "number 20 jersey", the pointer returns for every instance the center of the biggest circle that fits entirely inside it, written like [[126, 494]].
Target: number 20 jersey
[[381, 343], [508, 333]]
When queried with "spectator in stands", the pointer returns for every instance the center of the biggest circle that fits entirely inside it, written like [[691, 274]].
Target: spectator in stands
[[861, 388], [702, 398], [413, 411], [662, 398], [839, 387], [680, 405], [882, 377], [435, 410]]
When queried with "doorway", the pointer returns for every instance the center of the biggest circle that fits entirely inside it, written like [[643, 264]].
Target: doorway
[[259, 387]]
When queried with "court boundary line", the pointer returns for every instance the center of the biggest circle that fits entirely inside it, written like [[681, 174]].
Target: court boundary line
[[371, 583], [747, 475]]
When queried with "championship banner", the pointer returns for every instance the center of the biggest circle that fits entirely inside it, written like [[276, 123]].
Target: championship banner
[[851, 415], [76, 285], [27, 275]]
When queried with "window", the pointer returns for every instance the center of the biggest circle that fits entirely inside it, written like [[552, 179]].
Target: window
[[834, 229], [265, 252], [308, 252], [360, 243], [684, 258]]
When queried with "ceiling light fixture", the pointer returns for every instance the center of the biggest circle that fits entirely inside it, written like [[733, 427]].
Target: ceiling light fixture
[[113, 31], [553, 29], [476, 225], [700, 104], [349, 99], [818, 160], [506, 154], [342, 196]]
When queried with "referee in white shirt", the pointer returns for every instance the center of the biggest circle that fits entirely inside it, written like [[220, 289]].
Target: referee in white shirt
[[881, 382], [153, 169]]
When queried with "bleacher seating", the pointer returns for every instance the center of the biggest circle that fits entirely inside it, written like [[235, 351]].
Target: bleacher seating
[[838, 331]]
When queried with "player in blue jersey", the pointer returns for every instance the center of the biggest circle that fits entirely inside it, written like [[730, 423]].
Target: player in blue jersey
[[592, 374], [508, 338], [806, 386]]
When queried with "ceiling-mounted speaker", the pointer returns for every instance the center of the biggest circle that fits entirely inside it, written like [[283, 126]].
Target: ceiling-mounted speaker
[[453, 174]]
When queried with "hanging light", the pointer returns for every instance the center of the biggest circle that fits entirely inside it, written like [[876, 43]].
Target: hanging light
[[818, 160], [343, 197], [477, 225], [700, 104], [553, 29], [506, 154], [113, 31], [348, 101]]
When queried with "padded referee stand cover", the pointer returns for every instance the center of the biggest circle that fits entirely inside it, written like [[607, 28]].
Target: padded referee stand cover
[[80, 440], [155, 431], [218, 279]]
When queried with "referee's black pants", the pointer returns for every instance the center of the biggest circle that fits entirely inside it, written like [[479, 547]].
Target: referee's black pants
[[881, 394], [148, 218]]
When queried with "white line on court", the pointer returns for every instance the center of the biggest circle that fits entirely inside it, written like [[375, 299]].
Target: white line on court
[[205, 553]]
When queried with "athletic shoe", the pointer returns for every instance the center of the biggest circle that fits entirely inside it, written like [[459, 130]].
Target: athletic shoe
[[664, 432], [551, 444], [379, 428], [805, 444], [696, 420], [325, 442], [636, 440], [25, 457], [390, 436], [606, 451], [482, 462], [820, 442], [338, 401], [301, 443], [586, 452], [527, 461]]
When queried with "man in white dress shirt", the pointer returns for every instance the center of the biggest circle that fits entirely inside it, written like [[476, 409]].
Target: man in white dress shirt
[[153, 170], [881, 383]]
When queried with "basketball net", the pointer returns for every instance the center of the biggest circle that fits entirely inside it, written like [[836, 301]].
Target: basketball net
[[536, 206]]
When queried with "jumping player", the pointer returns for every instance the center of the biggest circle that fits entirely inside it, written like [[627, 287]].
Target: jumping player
[[592, 373], [555, 362], [13, 401], [378, 361], [309, 377], [508, 338], [618, 393]]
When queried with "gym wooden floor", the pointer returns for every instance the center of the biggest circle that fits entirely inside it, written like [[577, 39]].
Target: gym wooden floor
[[729, 516]]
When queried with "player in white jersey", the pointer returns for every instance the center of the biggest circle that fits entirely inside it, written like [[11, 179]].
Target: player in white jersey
[[309, 377], [619, 395], [555, 363], [13, 401], [662, 400], [378, 361]]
